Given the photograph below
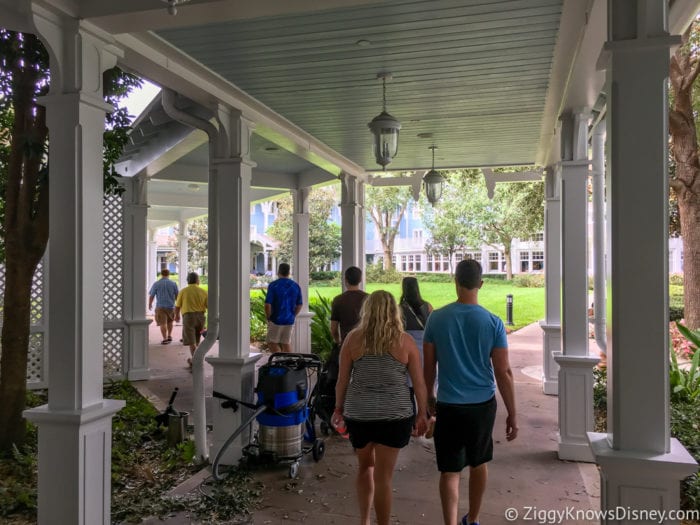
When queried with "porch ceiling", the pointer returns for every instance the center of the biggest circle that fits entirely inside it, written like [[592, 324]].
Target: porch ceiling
[[474, 74]]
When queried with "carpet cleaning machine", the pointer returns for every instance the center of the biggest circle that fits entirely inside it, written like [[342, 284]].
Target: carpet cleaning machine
[[284, 413]]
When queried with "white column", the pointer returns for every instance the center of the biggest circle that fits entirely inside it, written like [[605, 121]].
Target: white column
[[352, 222], [234, 368], [551, 325], [135, 284], [300, 269], [575, 366], [183, 268], [151, 265], [640, 465], [75, 430], [598, 197]]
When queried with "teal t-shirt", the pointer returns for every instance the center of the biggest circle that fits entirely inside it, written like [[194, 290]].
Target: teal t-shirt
[[464, 336]]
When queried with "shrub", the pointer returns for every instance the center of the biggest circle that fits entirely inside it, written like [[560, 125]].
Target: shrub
[[321, 339], [258, 319], [676, 313], [685, 426], [529, 280], [324, 276], [495, 276], [429, 277], [374, 273], [676, 279]]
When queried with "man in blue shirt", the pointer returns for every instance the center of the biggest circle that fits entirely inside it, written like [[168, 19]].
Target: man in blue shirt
[[470, 345], [165, 292], [282, 304]]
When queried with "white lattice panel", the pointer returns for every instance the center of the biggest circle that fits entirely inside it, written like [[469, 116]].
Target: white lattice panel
[[113, 269], [36, 352], [35, 358], [112, 345], [37, 305]]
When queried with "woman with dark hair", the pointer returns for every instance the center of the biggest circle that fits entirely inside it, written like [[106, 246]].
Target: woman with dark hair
[[415, 311], [373, 400]]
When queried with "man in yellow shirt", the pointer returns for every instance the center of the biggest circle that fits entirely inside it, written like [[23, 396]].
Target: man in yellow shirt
[[192, 303]]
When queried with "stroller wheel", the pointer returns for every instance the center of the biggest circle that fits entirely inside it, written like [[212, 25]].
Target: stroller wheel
[[294, 470], [325, 428], [318, 450]]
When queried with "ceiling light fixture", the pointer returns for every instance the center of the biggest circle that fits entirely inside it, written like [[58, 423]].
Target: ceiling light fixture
[[385, 129], [172, 5], [434, 182]]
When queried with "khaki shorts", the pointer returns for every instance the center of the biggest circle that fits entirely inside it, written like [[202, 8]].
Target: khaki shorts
[[192, 326], [279, 333], [165, 316]]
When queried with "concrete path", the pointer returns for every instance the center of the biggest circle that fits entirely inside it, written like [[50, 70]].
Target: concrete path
[[525, 475]]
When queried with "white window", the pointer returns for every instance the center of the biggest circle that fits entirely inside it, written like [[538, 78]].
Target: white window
[[538, 237], [403, 264], [411, 267], [417, 235], [524, 262], [429, 262], [418, 263], [537, 261], [493, 261]]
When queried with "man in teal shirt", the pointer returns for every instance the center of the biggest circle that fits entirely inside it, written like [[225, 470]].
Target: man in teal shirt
[[470, 345]]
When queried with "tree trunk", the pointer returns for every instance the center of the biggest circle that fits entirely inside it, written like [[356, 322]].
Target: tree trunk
[[684, 71], [689, 208], [388, 256], [509, 263], [15, 343]]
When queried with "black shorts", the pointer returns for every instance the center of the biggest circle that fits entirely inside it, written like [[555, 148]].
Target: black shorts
[[463, 435], [394, 433]]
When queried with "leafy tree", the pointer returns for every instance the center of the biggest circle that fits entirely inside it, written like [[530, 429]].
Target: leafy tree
[[450, 222], [198, 244], [685, 179], [515, 212], [324, 234], [24, 188], [386, 206]]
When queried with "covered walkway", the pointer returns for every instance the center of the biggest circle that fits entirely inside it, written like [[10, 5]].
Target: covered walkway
[[524, 473]]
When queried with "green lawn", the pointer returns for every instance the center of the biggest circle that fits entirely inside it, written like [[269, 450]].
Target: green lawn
[[528, 303]]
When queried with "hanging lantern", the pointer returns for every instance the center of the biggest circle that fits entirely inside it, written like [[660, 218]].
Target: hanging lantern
[[385, 129], [434, 182]]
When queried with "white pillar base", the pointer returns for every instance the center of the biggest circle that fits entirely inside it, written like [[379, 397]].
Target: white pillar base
[[301, 340], [234, 377], [575, 405], [75, 454], [138, 350], [551, 342], [640, 481]]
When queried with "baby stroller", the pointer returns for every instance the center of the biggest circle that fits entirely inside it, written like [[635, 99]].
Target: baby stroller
[[324, 399], [284, 412]]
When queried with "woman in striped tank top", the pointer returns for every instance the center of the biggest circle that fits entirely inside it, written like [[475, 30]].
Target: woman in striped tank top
[[373, 400]]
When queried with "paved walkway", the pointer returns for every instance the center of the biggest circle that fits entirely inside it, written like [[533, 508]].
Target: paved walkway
[[524, 474]]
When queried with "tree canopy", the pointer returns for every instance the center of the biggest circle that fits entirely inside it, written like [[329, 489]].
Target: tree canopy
[[324, 234], [386, 206]]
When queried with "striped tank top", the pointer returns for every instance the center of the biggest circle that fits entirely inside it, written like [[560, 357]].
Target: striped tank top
[[378, 390]]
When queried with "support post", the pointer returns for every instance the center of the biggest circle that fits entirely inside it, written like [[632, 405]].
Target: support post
[[136, 287], [352, 223], [551, 326], [182, 243], [234, 368], [640, 465], [300, 269], [75, 431], [575, 366]]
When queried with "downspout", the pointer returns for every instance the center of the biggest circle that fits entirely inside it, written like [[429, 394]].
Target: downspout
[[598, 190], [198, 390]]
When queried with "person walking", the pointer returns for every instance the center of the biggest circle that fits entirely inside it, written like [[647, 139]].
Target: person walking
[[469, 344], [164, 291], [415, 311], [283, 302], [373, 400], [345, 308], [192, 304]]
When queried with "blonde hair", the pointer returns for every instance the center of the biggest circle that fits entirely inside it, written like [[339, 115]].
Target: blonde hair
[[380, 323]]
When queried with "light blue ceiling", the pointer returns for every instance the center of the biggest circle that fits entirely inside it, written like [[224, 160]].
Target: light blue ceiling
[[474, 74]]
